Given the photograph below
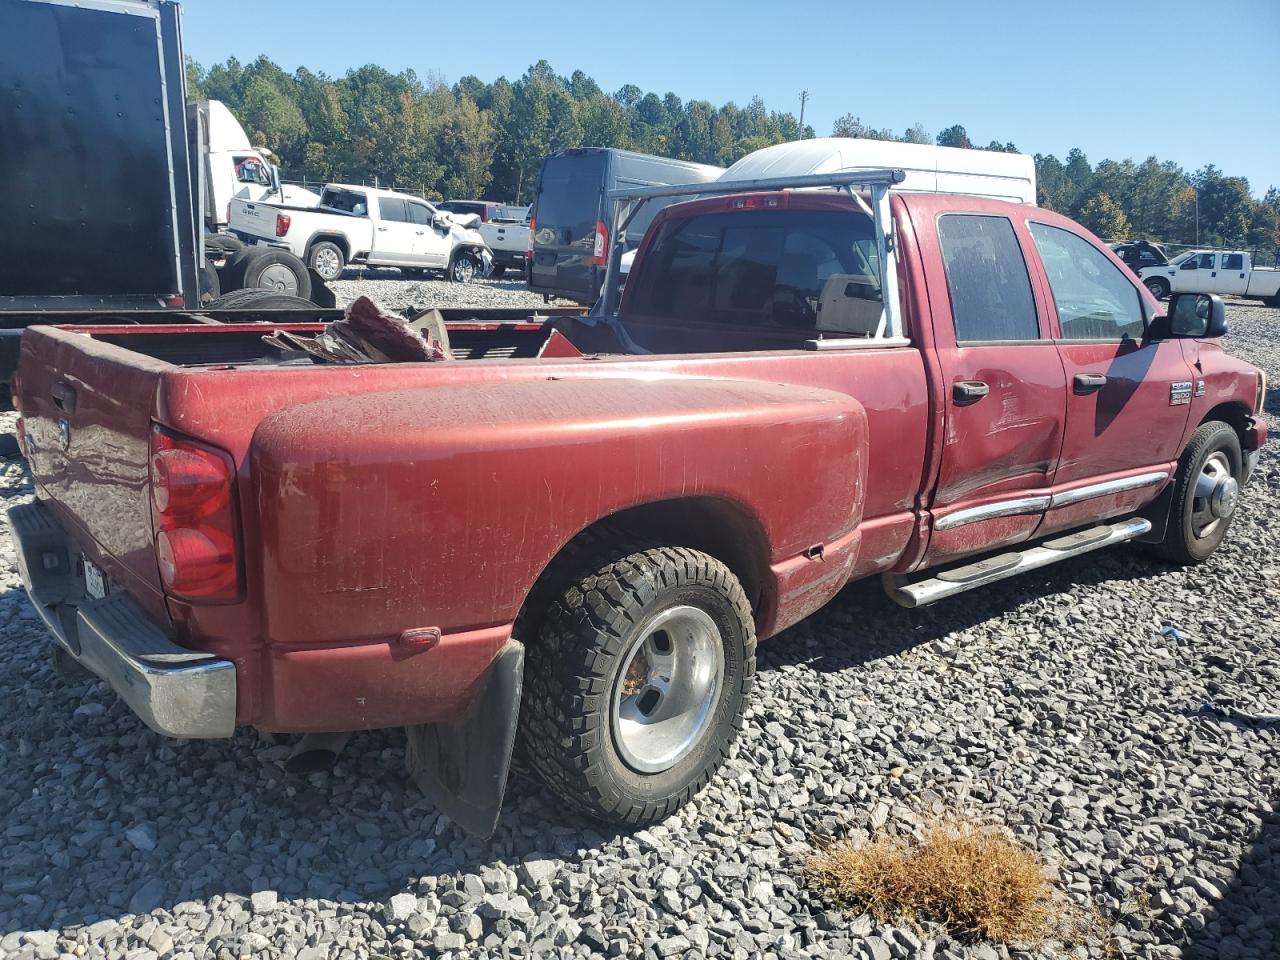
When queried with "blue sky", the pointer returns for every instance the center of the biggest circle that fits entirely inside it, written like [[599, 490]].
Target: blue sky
[[1193, 82]]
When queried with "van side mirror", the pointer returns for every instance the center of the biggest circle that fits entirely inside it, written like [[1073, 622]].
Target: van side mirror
[[1197, 315]]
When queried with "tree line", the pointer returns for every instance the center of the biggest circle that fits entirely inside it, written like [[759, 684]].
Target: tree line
[[475, 139]]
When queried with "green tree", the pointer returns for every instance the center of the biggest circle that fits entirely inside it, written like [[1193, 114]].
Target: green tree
[[954, 136], [1104, 217]]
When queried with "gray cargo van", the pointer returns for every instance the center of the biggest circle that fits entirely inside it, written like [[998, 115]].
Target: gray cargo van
[[570, 218]]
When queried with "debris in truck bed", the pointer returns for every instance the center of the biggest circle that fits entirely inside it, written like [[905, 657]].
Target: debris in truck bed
[[368, 333]]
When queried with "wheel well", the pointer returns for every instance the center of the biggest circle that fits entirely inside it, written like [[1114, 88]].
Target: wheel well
[[337, 239], [1233, 413], [716, 527]]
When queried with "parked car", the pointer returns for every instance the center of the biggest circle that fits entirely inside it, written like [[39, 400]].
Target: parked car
[[580, 551], [365, 225], [1229, 273], [1138, 254], [507, 234], [486, 210], [569, 241]]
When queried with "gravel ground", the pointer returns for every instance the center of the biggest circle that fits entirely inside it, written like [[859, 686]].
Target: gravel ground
[[1053, 704], [394, 290]]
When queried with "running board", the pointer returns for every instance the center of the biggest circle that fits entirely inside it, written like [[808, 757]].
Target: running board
[[948, 582]]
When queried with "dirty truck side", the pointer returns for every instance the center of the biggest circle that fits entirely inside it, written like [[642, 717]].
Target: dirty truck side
[[576, 549]]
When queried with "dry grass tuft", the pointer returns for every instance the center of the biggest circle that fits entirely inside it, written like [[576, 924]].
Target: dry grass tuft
[[973, 879]]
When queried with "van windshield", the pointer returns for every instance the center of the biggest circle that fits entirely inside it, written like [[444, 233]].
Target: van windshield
[[568, 203], [800, 269]]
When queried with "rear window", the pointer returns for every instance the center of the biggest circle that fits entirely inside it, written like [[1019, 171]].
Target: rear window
[[568, 202], [463, 206], [347, 200], [798, 269]]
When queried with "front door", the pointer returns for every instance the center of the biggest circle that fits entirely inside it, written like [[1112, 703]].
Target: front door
[[431, 245], [1005, 399], [393, 233], [1127, 398]]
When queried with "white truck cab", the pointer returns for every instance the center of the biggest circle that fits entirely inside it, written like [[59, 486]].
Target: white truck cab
[[1228, 273]]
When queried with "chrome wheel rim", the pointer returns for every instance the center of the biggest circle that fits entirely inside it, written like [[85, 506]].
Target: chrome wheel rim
[[279, 278], [666, 691], [463, 269], [326, 263], [1215, 495]]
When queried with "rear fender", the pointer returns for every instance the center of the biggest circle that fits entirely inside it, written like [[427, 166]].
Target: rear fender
[[441, 507]]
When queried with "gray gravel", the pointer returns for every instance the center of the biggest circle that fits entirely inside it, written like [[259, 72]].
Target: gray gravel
[[1056, 704], [395, 290]]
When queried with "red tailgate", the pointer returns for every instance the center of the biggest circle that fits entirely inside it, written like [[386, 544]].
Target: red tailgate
[[86, 408]]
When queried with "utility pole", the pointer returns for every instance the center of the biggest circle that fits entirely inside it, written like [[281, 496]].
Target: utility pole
[[1197, 190], [804, 98]]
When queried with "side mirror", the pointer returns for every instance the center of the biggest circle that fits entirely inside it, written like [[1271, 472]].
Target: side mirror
[[1190, 265], [440, 221], [1197, 315], [275, 178]]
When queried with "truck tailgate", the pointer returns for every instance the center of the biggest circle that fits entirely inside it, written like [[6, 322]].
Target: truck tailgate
[[87, 410]]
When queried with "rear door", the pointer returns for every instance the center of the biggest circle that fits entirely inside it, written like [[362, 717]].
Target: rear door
[[568, 208], [1233, 275], [394, 234], [1127, 398], [1005, 389]]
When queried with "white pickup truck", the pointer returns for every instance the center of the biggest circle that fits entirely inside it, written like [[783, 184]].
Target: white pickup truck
[[355, 224], [505, 229], [1228, 273]]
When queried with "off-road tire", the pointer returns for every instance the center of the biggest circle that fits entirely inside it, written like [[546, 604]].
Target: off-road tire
[[254, 298], [1180, 544], [574, 657], [1158, 286], [245, 270], [223, 244], [326, 247]]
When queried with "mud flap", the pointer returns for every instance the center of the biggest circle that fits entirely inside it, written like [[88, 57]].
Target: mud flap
[[1157, 511], [462, 765]]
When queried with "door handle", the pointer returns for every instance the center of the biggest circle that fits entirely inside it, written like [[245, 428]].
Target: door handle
[[419, 232], [64, 396], [382, 229], [966, 392], [1089, 382]]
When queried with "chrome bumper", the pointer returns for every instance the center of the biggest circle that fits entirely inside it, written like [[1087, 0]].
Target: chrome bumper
[[176, 691]]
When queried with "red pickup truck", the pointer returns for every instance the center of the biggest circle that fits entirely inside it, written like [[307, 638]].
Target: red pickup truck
[[569, 538]]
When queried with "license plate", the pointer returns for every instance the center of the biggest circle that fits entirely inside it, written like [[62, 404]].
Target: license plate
[[95, 581]]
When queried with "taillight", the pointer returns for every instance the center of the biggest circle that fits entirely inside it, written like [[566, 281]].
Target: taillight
[[15, 390], [193, 514], [533, 228], [283, 220], [598, 255]]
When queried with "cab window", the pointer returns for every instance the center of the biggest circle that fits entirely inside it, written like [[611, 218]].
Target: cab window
[[1095, 301], [1233, 261], [392, 208], [419, 213], [987, 278]]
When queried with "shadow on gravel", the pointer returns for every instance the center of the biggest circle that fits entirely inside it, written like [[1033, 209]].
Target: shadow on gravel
[[877, 627], [106, 818]]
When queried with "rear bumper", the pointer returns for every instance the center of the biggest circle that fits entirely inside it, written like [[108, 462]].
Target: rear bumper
[[176, 691], [507, 258]]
